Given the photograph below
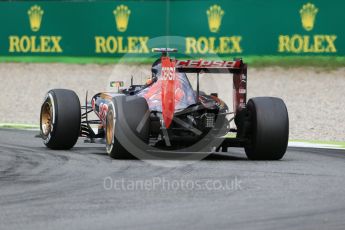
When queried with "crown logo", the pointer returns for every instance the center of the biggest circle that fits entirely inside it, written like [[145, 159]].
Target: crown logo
[[308, 13], [214, 15], [35, 17], [121, 14]]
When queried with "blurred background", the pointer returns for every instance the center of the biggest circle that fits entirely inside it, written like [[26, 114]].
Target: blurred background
[[294, 49]]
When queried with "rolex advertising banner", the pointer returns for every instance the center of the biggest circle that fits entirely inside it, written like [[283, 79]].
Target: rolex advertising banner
[[222, 27]]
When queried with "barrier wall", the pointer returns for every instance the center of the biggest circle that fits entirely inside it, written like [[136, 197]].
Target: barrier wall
[[223, 27]]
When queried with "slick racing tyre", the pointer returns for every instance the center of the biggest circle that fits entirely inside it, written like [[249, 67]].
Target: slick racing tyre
[[126, 116], [60, 119], [269, 129]]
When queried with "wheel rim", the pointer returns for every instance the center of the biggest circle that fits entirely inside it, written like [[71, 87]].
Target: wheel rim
[[110, 130], [47, 118]]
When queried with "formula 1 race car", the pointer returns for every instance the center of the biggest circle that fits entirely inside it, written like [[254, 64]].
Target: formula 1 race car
[[166, 115]]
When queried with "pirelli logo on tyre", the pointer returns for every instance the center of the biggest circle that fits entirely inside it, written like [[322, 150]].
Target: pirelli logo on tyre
[[309, 42], [34, 43]]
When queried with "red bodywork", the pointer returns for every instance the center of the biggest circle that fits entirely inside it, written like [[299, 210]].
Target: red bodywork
[[168, 90]]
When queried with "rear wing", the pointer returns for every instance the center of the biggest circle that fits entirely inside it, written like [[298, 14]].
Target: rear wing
[[236, 67], [204, 66]]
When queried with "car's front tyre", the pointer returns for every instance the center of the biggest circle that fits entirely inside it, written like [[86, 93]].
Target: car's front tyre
[[60, 119]]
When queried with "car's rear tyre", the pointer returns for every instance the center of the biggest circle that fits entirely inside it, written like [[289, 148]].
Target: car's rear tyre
[[126, 117], [60, 119], [269, 128]]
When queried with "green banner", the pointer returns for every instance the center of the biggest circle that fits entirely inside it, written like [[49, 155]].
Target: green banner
[[223, 27]]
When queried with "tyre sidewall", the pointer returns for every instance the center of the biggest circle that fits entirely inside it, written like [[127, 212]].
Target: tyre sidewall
[[270, 128]]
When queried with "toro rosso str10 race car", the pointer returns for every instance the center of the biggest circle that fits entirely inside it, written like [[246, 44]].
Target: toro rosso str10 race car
[[166, 115]]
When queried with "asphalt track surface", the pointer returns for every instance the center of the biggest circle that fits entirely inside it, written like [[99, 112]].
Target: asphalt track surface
[[44, 189]]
